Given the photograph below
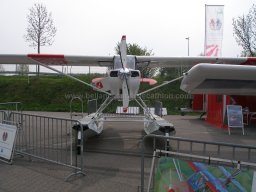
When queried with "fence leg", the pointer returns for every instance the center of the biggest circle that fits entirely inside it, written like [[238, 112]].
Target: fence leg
[[79, 151], [75, 173], [151, 171]]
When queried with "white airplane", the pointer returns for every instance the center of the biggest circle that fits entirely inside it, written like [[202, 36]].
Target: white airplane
[[209, 75]]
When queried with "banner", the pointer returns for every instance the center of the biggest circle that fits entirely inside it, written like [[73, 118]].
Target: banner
[[213, 30], [213, 48], [173, 175]]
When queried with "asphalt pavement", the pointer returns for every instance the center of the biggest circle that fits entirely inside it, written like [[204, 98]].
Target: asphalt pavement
[[111, 160]]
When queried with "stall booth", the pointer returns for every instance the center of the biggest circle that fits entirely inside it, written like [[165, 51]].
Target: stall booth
[[215, 107], [215, 86]]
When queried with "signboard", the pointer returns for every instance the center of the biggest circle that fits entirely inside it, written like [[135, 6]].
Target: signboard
[[235, 117], [7, 138]]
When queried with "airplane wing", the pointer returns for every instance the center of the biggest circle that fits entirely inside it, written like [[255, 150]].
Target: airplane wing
[[50, 59], [107, 61], [151, 61], [222, 79]]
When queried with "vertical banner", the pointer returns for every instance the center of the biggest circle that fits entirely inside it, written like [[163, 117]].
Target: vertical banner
[[213, 29], [213, 48]]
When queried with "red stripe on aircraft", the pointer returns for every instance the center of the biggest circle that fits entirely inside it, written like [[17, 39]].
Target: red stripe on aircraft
[[49, 59], [250, 61]]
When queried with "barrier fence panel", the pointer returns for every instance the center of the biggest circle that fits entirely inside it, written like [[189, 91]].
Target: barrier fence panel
[[51, 139], [3, 116], [194, 150]]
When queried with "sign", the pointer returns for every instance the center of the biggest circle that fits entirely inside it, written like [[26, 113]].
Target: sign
[[7, 138], [235, 117]]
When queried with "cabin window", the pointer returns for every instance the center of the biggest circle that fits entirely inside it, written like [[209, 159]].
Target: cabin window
[[113, 73], [135, 74]]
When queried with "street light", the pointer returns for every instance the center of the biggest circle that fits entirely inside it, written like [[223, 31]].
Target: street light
[[188, 44]]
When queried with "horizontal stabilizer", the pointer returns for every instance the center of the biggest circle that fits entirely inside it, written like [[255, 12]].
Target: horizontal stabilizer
[[149, 81], [101, 83]]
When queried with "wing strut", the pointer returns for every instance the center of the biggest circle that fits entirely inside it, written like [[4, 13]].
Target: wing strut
[[70, 76], [163, 84]]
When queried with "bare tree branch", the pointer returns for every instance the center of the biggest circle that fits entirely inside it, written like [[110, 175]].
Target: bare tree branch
[[22, 69], [40, 29], [245, 32]]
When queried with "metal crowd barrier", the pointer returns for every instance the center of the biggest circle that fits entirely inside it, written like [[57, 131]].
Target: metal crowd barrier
[[11, 106], [7, 108], [189, 149], [50, 139], [3, 116]]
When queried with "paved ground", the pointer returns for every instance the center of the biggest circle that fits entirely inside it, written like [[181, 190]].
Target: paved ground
[[109, 171]]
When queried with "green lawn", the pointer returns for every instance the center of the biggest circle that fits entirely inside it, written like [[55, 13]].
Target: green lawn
[[53, 93]]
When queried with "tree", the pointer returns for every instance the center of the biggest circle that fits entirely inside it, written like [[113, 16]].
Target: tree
[[40, 29], [245, 32], [135, 49], [1, 68], [22, 69]]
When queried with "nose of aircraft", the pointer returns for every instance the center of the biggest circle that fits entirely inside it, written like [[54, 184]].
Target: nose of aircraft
[[124, 73]]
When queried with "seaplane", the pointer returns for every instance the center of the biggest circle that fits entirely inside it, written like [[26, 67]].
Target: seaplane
[[206, 75]]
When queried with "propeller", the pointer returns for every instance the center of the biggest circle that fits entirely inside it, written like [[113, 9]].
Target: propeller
[[124, 73]]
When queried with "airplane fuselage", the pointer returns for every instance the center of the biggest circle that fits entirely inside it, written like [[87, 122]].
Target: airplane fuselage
[[116, 76], [123, 80]]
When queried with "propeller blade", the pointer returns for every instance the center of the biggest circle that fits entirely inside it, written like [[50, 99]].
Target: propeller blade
[[125, 92], [123, 51], [124, 73]]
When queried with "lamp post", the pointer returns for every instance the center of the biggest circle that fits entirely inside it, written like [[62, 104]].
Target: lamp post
[[188, 44]]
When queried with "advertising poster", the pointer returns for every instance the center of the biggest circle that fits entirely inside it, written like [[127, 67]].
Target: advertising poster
[[235, 116], [7, 138]]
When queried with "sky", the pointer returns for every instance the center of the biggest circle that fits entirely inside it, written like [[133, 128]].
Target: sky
[[93, 27]]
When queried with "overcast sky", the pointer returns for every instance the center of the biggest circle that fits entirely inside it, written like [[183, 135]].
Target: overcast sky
[[93, 27]]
